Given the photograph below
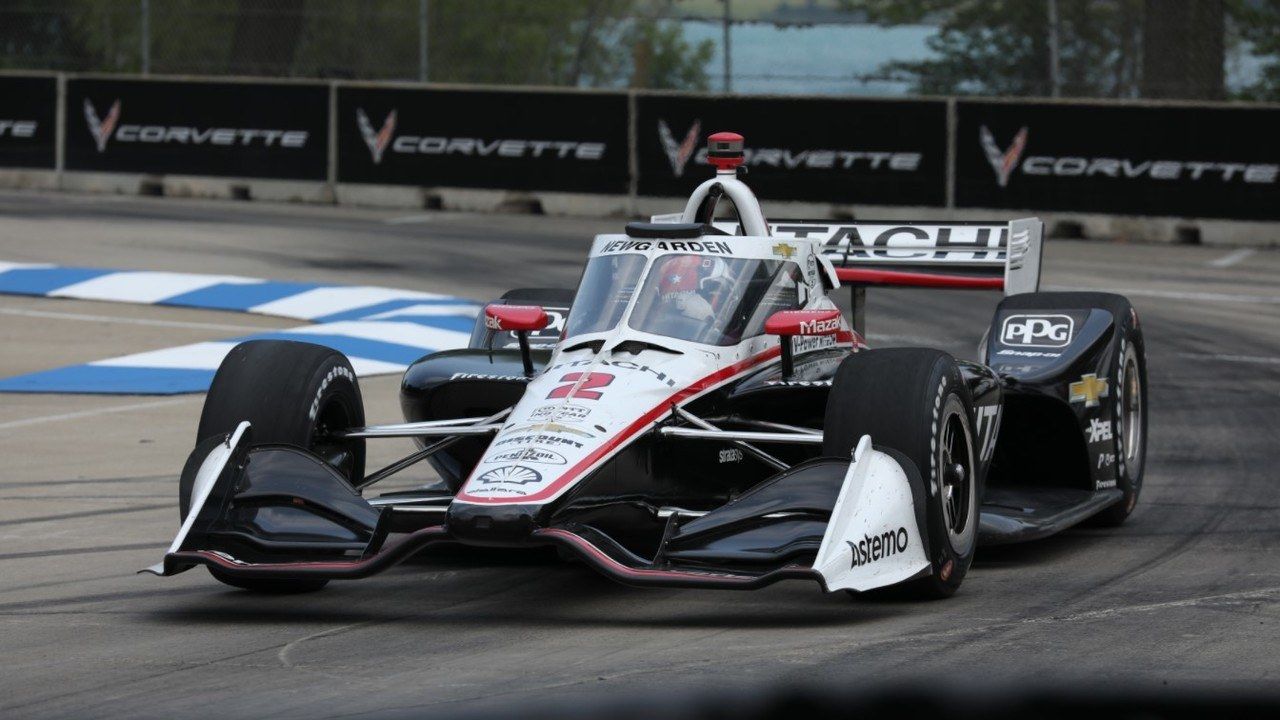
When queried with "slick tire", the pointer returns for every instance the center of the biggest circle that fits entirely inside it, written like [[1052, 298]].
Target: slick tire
[[914, 401], [292, 393], [1125, 366]]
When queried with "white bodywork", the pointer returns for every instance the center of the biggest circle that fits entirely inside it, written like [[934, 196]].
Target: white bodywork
[[873, 539]]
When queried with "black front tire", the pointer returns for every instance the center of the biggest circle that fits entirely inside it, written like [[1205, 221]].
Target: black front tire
[[914, 401], [292, 393]]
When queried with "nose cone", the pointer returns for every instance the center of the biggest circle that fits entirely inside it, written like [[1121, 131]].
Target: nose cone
[[497, 525]]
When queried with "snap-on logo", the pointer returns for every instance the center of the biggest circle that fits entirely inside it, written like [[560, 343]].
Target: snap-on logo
[[1043, 331]]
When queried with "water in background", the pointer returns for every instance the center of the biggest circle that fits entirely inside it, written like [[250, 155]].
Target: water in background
[[845, 59], [815, 60]]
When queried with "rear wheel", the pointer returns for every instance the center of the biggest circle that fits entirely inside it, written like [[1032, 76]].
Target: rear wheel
[[292, 393], [914, 401]]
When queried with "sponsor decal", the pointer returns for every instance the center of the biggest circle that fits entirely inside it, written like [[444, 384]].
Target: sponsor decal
[[1089, 389], [379, 139], [1003, 161], [548, 427], [109, 128], [730, 455], [786, 158], [705, 247], [18, 128], [530, 455], [334, 374], [678, 154], [620, 364], [988, 421], [800, 383], [511, 475], [819, 327], [1099, 430], [1042, 331], [538, 439], [1106, 459], [1029, 353], [809, 343], [566, 413], [512, 148], [483, 376], [784, 250], [878, 547], [581, 385], [1102, 484]]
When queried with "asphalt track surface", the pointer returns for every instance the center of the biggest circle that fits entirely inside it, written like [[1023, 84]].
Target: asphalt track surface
[[1186, 593]]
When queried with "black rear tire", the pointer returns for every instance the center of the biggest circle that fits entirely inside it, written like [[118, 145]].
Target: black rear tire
[[292, 393], [914, 400]]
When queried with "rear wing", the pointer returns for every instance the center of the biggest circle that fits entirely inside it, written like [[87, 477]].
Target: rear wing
[[972, 255]]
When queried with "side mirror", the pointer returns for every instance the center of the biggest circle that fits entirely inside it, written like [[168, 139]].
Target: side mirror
[[787, 323], [519, 319]]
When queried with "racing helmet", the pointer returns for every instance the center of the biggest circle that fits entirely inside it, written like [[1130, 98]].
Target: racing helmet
[[679, 274]]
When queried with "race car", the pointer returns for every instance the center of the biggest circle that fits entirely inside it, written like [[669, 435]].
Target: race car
[[698, 413]]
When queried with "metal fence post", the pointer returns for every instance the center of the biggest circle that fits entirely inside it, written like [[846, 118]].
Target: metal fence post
[[422, 40], [146, 37]]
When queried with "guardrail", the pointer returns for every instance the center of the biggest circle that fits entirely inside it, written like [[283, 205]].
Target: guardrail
[[1126, 158]]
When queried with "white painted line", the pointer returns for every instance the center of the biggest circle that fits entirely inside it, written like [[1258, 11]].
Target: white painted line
[[197, 356], [331, 300], [1178, 295], [401, 333], [408, 219], [1255, 359], [7, 266], [91, 413], [467, 310], [145, 287], [1232, 258], [130, 321]]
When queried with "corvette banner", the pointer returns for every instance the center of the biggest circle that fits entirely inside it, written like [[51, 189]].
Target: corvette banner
[[1174, 160], [27, 133], [516, 140], [240, 129], [884, 152]]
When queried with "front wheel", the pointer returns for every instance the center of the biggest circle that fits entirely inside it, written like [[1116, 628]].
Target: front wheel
[[292, 393], [914, 401]]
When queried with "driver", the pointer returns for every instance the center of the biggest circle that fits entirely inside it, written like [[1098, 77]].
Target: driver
[[679, 279]]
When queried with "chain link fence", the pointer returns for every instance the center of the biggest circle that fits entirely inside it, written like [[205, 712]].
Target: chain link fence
[[1194, 49]]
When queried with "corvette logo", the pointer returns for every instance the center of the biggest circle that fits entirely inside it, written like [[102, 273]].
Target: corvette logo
[[101, 129], [379, 140], [678, 154], [1003, 161]]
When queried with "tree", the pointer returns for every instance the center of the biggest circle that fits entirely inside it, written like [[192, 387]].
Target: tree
[[1258, 23]]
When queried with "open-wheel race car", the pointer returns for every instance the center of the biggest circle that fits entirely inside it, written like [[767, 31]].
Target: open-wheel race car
[[699, 413]]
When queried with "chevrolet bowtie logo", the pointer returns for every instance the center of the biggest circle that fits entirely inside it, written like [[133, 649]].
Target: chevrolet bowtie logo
[[784, 251], [1089, 390]]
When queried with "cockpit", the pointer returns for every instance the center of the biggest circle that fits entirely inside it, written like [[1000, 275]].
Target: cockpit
[[702, 298]]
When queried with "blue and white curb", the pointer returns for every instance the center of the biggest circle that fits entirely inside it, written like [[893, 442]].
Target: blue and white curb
[[382, 330]]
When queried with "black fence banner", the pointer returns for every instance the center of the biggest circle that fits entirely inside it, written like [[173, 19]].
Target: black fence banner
[[1139, 160], [846, 150], [265, 130], [517, 140], [27, 134]]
